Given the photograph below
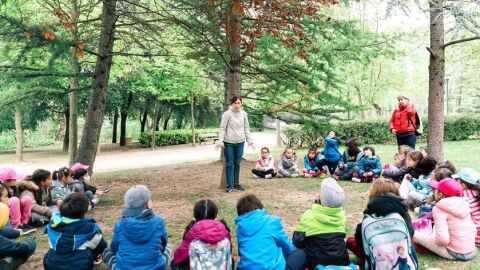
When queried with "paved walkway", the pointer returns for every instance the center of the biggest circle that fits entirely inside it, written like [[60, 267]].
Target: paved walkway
[[144, 158]]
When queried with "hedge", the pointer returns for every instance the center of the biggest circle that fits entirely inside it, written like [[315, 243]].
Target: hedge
[[172, 137], [457, 128]]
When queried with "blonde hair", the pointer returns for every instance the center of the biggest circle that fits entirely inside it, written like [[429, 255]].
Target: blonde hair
[[381, 186]]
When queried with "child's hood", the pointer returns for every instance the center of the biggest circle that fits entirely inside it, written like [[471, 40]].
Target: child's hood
[[209, 231], [140, 231], [455, 206], [320, 219], [30, 185], [252, 222]]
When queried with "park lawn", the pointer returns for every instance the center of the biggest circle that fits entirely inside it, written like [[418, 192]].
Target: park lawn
[[175, 189]]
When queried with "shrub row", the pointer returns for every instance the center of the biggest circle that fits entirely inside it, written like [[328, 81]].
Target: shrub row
[[457, 128], [172, 137]]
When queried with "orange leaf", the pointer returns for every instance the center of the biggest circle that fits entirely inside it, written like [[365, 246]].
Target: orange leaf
[[79, 54], [68, 25], [28, 35], [57, 11], [48, 35], [80, 45], [237, 8], [74, 15], [211, 3]]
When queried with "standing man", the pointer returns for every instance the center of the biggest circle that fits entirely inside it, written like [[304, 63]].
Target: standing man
[[403, 122], [234, 131]]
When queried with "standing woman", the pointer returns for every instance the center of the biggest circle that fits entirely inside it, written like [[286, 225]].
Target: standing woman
[[403, 122], [234, 131]]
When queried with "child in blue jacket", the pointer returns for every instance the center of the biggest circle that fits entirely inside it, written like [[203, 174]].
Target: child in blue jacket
[[369, 166], [262, 242], [76, 241], [139, 238], [310, 163], [330, 152]]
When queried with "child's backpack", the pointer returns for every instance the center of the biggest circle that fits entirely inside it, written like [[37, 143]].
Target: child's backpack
[[210, 256], [387, 243], [418, 124], [335, 267]]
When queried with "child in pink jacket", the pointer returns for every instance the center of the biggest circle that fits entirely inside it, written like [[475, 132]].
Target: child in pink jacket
[[470, 180], [453, 236], [204, 227], [265, 167]]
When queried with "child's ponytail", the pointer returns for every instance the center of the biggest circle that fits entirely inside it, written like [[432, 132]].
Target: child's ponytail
[[203, 209]]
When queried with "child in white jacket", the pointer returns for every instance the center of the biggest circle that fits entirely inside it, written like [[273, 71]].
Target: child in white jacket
[[265, 167]]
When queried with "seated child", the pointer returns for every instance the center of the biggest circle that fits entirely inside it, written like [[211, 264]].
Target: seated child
[[80, 184], [13, 253], [330, 152], [8, 231], [453, 236], [20, 209], [139, 238], [76, 241], [204, 227], [288, 165], [417, 190], [311, 160], [348, 161], [470, 180], [429, 203], [61, 179], [397, 171], [262, 242], [383, 199], [37, 188], [369, 166], [265, 167], [321, 231]]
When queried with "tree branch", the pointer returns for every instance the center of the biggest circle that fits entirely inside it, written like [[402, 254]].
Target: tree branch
[[460, 41], [431, 52]]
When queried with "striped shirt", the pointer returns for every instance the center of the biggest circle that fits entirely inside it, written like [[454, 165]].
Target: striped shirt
[[473, 199]]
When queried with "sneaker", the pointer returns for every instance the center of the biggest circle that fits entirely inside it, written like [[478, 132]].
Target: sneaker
[[98, 261], [268, 176], [255, 176], [239, 188], [323, 175], [307, 175], [294, 175], [356, 180], [27, 229], [228, 190], [95, 201]]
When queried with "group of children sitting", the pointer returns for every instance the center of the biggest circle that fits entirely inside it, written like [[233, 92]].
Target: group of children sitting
[[354, 164], [447, 203]]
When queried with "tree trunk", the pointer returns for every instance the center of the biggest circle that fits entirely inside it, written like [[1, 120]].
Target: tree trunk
[[233, 72], [143, 121], [277, 131], [179, 122], [360, 102], [192, 113], [72, 96], [62, 126], [98, 95], [436, 73], [156, 113], [165, 121], [123, 118], [19, 129], [157, 127], [66, 139], [115, 125]]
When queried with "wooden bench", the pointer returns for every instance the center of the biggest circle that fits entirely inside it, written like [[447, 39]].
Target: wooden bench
[[208, 137]]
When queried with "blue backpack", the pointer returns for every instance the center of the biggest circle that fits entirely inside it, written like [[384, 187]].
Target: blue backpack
[[335, 267], [387, 243]]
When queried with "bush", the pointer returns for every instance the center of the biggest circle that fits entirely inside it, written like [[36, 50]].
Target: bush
[[376, 131], [172, 137]]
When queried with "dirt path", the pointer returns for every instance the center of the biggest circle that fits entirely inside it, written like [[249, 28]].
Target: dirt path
[[117, 160]]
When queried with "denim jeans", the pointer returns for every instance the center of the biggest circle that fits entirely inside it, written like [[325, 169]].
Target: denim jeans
[[233, 158], [407, 138]]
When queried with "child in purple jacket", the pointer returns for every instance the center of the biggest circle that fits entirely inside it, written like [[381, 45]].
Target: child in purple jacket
[[204, 227]]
